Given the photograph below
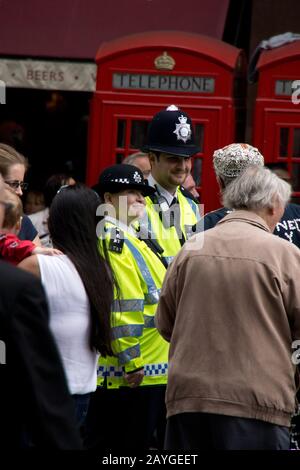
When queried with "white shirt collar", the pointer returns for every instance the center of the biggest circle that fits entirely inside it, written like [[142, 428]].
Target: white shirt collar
[[121, 225], [161, 191]]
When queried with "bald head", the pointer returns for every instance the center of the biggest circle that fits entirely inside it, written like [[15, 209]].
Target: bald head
[[141, 160]]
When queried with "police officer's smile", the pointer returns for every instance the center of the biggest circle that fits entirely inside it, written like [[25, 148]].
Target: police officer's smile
[[169, 170], [128, 204]]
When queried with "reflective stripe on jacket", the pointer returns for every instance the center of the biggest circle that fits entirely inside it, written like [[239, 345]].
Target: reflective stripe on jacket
[[136, 341], [172, 227]]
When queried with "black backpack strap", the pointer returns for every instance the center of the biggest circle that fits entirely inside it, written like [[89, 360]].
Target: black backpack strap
[[153, 244], [187, 194]]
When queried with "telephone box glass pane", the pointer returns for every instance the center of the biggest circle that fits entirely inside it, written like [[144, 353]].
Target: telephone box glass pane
[[296, 143], [199, 135], [296, 177], [119, 157], [197, 171], [284, 141], [121, 133], [138, 133]]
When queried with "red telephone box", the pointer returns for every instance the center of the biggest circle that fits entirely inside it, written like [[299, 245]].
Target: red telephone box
[[139, 75], [276, 129]]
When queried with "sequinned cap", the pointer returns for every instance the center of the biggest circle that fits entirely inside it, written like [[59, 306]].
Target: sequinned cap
[[231, 160]]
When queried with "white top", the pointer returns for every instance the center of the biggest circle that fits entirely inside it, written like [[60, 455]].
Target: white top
[[70, 321], [161, 191], [40, 222]]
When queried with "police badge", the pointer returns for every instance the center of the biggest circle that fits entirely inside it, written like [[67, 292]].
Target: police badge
[[137, 178], [183, 129]]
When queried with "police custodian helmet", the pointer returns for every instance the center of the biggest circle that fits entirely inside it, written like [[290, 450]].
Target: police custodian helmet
[[117, 178], [171, 131]]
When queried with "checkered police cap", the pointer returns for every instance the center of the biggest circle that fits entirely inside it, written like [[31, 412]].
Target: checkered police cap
[[120, 177], [231, 160]]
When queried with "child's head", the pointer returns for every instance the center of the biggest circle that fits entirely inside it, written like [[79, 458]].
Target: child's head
[[35, 202], [13, 212]]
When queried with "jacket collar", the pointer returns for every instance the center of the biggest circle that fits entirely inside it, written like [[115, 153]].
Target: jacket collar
[[161, 190], [120, 225], [247, 217]]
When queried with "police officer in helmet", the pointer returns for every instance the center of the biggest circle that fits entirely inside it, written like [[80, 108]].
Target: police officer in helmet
[[172, 210]]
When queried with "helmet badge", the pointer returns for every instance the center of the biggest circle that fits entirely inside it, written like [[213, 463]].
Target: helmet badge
[[183, 129], [137, 177]]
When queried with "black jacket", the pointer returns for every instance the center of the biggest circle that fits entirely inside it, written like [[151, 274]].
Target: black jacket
[[34, 399], [288, 227]]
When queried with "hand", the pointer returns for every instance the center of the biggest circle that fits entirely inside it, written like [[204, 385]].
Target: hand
[[134, 379], [40, 250]]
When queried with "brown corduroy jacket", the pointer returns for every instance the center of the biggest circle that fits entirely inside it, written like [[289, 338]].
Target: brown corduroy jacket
[[231, 310]]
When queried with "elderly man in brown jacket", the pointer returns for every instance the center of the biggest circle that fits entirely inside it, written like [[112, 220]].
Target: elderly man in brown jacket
[[230, 307]]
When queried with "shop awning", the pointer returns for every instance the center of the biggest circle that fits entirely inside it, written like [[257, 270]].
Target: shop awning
[[72, 31]]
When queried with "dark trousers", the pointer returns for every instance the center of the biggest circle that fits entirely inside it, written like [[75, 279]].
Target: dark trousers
[[205, 431], [295, 427], [81, 403], [125, 418]]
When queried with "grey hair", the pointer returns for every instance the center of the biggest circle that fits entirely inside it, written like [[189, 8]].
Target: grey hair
[[131, 158], [226, 180], [256, 188]]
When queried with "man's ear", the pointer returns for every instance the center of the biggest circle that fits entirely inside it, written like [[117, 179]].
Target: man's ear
[[107, 198], [152, 158], [271, 210]]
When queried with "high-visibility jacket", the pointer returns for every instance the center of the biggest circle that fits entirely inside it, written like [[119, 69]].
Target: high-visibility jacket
[[170, 226], [136, 342]]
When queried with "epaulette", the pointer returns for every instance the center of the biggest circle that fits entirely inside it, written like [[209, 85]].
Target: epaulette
[[153, 197], [187, 194], [116, 240]]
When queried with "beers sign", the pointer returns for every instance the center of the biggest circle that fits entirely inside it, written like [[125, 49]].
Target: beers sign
[[163, 82]]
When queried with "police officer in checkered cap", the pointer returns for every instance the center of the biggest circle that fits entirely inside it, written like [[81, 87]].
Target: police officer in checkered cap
[[121, 177], [172, 211], [135, 377]]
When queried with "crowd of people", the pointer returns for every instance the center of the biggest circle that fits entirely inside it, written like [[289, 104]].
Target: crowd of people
[[147, 326]]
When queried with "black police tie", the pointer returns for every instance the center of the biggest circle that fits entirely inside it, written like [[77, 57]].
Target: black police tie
[[175, 218]]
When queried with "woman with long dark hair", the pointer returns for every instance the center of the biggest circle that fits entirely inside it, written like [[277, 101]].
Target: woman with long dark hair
[[79, 287]]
